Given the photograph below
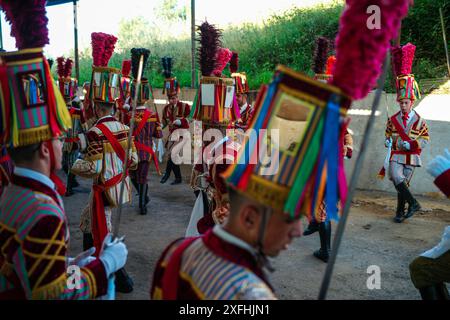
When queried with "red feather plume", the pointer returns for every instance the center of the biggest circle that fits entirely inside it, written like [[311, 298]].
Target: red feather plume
[[402, 59], [222, 58], [98, 48], [68, 67], [126, 68], [28, 22], [60, 66]]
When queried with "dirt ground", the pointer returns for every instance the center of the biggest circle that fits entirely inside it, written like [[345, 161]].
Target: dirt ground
[[371, 238]]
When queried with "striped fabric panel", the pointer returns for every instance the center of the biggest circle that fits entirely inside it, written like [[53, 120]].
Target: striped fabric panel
[[28, 118], [214, 277], [112, 165]]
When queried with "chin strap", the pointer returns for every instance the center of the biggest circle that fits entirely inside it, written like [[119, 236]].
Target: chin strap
[[261, 258], [59, 184]]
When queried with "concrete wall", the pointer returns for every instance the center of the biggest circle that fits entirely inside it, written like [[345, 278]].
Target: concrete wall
[[435, 109]]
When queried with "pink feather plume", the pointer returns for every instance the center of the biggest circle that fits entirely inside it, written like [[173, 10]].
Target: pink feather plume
[[402, 59], [223, 56], [360, 51]]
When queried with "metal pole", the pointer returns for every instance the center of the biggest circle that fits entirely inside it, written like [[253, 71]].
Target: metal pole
[[1, 34], [193, 84], [445, 41], [358, 166], [75, 32]]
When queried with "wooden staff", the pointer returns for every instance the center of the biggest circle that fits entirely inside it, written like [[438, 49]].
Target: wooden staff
[[129, 144]]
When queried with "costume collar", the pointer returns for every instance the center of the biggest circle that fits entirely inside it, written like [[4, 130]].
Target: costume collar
[[228, 237], [244, 107], [35, 175], [106, 119], [233, 249]]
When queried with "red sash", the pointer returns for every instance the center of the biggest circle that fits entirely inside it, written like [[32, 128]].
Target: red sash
[[142, 147], [400, 129], [99, 227], [169, 284], [404, 137]]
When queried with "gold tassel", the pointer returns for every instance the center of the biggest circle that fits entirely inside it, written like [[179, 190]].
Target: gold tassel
[[6, 269], [52, 290], [33, 135]]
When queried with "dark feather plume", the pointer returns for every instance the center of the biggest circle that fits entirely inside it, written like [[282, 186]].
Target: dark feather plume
[[135, 56], [234, 62], [167, 66], [209, 43], [321, 55], [50, 62]]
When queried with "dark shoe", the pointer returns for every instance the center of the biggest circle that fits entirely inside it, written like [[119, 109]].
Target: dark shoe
[[123, 282], [413, 209], [322, 255], [399, 214], [325, 241], [69, 192], [312, 228], [165, 177], [176, 181], [413, 205]]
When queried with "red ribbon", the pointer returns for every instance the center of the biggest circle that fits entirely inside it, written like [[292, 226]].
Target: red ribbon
[[99, 226], [51, 102]]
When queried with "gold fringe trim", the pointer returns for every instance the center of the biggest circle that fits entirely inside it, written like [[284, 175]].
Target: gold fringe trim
[[267, 192], [216, 80], [33, 135], [157, 294], [105, 69], [6, 269], [52, 290], [90, 278]]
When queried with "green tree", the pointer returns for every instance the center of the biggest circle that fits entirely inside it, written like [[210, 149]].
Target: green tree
[[171, 11]]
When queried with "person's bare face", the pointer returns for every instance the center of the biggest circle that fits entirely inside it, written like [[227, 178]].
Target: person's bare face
[[405, 105], [280, 233], [173, 100], [240, 98], [57, 145]]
